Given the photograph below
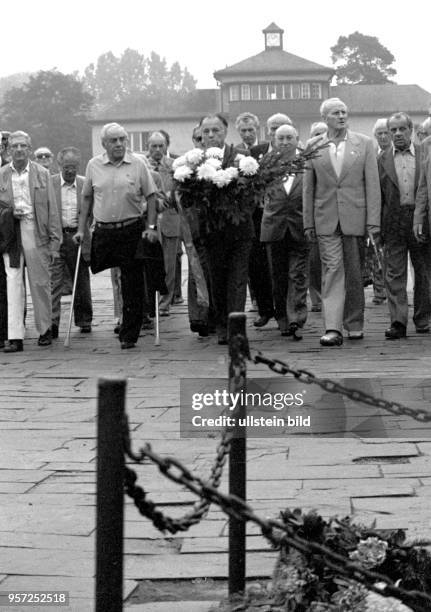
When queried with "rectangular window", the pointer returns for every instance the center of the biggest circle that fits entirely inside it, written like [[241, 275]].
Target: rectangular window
[[287, 91], [138, 141], [245, 92], [233, 93], [316, 91], [279, 92], [264, 93], [295, 91], [255, 92], [305, 90], [271, 92]]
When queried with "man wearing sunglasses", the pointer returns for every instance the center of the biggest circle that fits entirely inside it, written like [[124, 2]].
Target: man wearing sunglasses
[[45, 158]]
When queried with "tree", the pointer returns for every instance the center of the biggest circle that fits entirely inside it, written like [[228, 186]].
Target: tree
[[52, 108], [113, 79], [362, 59]]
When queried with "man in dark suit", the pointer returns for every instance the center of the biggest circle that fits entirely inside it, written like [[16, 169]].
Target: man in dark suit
[[399, 168], [283, 231], [228, 249], [68, 188]]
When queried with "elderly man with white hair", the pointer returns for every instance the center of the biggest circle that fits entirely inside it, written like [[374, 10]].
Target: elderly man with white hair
[[29, 208], [116, 184], [341, 203], [247, 126], [382, 135]]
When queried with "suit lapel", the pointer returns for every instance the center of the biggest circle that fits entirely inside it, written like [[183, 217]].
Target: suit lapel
[[351, 154], [325, 160], [387, 161]]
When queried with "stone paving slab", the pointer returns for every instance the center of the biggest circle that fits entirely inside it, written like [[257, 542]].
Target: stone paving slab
[[48, 451]]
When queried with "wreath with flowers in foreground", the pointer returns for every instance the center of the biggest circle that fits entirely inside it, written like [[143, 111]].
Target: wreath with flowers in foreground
[[304, 583], [224, 196]]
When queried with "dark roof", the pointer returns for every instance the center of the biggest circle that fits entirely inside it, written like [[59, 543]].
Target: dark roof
[[383, 98], [270, 61], [273, 27], [193, 105]]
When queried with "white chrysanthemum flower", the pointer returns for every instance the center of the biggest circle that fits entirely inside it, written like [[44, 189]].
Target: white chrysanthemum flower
[[179, 161], [239, 157], [370, 552], [248, 166], [194, 156], [182, 173], [221, 178], [214, 162], [214, 152], [232, 172], [206, 172]]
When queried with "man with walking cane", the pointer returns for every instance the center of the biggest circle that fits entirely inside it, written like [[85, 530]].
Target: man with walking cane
[[68, 191], [116, 183]]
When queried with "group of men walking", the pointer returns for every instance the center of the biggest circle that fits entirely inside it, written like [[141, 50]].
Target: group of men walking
[[308, 226]]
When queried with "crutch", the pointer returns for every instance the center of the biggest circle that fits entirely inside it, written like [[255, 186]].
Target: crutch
[[157, 338], [75, 279]]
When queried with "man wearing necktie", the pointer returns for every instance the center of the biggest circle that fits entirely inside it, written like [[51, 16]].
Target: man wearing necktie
[[341, 203], [283, 232], [399, 169]]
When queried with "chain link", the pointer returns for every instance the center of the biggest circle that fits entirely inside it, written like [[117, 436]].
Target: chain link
[[282, 533], [239, 352], [283, 368]]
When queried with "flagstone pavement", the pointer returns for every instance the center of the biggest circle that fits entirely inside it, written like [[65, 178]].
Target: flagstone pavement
[[48, 451]]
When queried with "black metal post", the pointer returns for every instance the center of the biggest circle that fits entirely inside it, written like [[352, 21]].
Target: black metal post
[[238, 351], [110, 487]]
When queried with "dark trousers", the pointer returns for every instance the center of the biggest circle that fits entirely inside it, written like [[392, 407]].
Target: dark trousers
[[200, 314], [3, 302], [112, 248], [289, 266], [396, 261], [259, 273], [82, 306], [228, 261]]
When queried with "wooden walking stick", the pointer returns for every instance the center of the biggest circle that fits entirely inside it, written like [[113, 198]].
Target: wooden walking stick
[[157, 338], [75, 279]]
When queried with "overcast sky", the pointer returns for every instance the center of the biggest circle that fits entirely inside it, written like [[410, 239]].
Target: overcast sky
[[206, 36]]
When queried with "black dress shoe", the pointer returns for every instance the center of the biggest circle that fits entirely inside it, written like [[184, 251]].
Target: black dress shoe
[[45, 339], [128, 345], [54, 331], [85, 329], [196, 325], [14, 346], [331, 338], [396, 331], [261, 321]]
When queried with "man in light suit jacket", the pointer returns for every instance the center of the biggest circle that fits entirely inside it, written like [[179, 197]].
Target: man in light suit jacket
[[341, 203], [283, 232], [26, 189], [68, 187]]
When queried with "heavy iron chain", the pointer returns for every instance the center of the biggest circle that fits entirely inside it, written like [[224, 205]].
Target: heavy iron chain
[[282, 533], [281, 367], [149, 509], [239, 352]]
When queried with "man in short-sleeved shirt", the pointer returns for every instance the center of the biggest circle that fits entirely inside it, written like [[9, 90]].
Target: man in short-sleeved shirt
[[116, 184]]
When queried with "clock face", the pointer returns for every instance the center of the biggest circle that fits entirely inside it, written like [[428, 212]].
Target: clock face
[[273, 39]]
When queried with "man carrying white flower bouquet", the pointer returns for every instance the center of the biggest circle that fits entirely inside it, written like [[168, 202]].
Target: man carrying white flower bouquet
[[214, 181]]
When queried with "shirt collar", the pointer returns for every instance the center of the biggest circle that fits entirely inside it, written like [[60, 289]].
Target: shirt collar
[[410, 149], [26, 169], [127, 159], [63, 182]]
